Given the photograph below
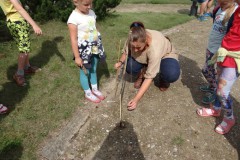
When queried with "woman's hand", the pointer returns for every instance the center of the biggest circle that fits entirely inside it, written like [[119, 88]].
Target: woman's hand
[[117, 65], [79, 62], [132, 104]]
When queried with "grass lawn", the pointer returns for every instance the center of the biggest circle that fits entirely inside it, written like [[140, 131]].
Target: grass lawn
[[158, 1], [52, 95]]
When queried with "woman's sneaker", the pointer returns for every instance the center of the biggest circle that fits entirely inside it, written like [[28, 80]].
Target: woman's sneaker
[[98, 94], [91, 97]]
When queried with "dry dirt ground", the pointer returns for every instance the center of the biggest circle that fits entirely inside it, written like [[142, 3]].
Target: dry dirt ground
[[164, 126]]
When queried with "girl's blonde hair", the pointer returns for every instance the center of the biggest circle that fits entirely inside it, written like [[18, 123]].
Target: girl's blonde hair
[[229, 12]]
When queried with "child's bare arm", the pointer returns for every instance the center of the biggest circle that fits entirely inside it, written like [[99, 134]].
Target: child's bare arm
[[74, 43], [26, 16]]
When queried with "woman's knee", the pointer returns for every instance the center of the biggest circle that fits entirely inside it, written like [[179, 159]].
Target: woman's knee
[[169, 70], [133, 67]]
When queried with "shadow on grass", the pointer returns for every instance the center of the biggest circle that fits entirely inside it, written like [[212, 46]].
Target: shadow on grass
[[12, 151], [121, 143], [5, 34], [11, 94]]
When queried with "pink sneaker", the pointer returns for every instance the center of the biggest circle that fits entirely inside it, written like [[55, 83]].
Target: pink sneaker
[[98, 94], [91, 97], [225, 126]]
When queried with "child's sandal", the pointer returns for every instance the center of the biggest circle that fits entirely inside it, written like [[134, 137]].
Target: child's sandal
[[3, 109], [225, 126], [207, 112]]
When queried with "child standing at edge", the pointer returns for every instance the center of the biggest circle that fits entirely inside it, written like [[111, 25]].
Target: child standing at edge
[[219, 29], [18, 21], [228, 62], [204, 11], [86, 46]]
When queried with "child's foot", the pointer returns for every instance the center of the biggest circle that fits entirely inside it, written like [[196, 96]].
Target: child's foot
[[19, 79], [98, 94], [31, 70], [208, 14], [225, 126], [206, 88], [207, 112], [209, 98], [91, 97], [3, 109], [202, 18]]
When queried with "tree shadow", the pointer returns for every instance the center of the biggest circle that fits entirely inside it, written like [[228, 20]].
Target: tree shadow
[[13, 151], [121, 143], [192, 77], [11, 94]]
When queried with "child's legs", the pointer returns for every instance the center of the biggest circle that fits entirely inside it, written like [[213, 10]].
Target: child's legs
[[20, 32], [93, 70], [202, 6], [209, 71], [133, 67], [84, 80], [209, 5], [226, 80]]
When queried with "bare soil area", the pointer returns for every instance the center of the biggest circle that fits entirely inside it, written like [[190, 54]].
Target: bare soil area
[[162, 8], [164, 125]]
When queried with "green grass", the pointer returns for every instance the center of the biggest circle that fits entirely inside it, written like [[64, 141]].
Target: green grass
[[53, 94], [158, 1]]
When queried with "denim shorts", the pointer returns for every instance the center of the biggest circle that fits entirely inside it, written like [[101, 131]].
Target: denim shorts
[[201, 1]]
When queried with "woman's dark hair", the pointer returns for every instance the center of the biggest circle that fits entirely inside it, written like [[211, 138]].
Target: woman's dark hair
[[137, 32], [136, 24]]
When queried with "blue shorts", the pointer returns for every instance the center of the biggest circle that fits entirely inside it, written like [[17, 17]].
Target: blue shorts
[[201, 1]]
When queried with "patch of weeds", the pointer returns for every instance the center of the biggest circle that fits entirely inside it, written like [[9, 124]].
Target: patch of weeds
[[178, 141]]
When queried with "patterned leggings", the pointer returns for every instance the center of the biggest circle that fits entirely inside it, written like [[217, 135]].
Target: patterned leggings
[[20, 32], [226, 80], [209, 71]]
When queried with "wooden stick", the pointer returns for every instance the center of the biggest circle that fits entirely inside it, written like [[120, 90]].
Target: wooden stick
[[118, 70], [123, 80]]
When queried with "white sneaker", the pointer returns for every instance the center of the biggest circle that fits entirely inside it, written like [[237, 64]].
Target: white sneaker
[[91, 97], [98, 94]]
